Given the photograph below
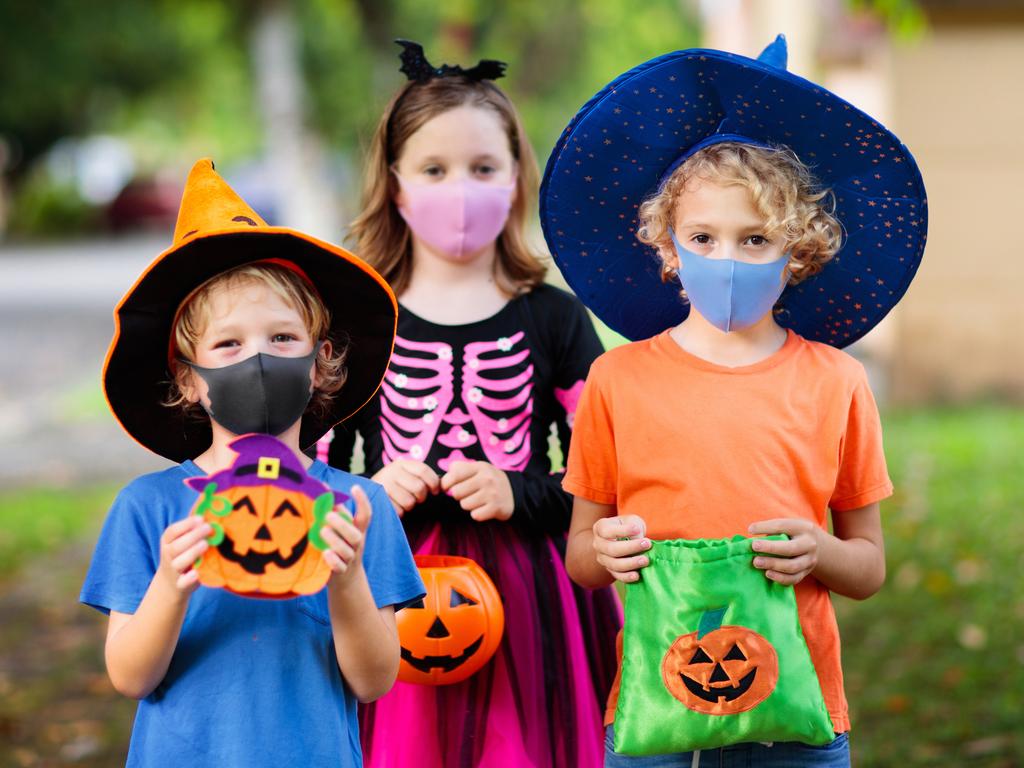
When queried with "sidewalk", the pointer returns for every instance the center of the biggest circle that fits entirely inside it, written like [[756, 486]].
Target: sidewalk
[[56, 308]]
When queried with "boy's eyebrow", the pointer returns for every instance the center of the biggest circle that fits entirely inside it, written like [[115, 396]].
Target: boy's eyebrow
[[230, 327], [743, 227]]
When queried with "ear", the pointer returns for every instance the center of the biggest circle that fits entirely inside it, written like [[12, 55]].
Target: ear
[[669, 257], [324, 353], [185, 377]]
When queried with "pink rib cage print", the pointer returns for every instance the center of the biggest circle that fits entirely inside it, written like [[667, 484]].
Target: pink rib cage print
[[419, 407]]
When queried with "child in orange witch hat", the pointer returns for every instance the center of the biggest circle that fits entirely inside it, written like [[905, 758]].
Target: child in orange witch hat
[[241, 327]]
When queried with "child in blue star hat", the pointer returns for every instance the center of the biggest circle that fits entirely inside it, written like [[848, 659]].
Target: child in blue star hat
[[793, 223]]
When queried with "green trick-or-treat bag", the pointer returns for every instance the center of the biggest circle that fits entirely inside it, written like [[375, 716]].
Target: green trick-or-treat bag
[[713, 654]]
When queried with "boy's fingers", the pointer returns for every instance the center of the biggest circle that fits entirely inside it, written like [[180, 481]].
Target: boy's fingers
[[789, 579], [783, 547], [348, 532], [625, 527], [334, 562], [789, 526], [184, 560], [174, 530], [364, 510], [784, 565], [188, 579], [623, 548], [623, 564], [188, 539], [337, 544]]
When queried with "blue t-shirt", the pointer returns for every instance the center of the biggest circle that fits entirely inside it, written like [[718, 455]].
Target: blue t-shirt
[[251, 682]]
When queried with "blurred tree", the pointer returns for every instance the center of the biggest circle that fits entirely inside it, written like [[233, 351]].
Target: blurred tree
[[69, 67], [181, 78], [559, 52]]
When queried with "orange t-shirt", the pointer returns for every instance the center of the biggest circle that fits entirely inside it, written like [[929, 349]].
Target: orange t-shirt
[[700, 450]]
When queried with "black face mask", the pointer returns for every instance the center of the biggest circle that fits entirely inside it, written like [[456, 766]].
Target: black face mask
[[263, 393]]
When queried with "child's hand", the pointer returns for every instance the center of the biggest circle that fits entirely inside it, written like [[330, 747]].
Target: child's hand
[[481, 489], [796, 558], [181, 544], [345, 539], [618, 542], [407, 483]]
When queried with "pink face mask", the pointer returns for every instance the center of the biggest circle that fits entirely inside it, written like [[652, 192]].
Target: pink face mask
[[456, 218]]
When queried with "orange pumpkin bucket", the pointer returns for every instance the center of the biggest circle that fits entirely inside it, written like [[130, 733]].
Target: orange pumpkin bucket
[[455, 629]]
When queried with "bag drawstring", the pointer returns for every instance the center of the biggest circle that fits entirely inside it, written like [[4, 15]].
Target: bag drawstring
[[696, 759]]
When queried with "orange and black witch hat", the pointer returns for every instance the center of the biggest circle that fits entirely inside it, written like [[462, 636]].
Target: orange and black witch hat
[[217, 231]]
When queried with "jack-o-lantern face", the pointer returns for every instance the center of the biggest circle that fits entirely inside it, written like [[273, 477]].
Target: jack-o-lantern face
[[265, 531], [726, 670], [266, 518], [453, 631]]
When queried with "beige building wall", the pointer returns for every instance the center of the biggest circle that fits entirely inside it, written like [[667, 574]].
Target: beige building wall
[[955, 96], [958, 103]]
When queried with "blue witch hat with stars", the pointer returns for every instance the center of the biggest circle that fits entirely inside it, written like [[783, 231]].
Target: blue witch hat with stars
[[624, 141]]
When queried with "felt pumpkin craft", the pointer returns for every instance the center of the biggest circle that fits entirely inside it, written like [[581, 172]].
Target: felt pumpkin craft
[[454, 630], [266, 514]]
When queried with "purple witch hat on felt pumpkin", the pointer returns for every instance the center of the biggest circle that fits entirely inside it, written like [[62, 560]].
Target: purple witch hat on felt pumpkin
[[265, 460], [266, 513]]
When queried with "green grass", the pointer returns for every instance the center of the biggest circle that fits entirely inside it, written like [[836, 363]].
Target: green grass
[[35, 521], [935, 661]]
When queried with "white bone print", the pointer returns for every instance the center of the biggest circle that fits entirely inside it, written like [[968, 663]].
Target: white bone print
[[428, 393], [496, 393], [505, 435]]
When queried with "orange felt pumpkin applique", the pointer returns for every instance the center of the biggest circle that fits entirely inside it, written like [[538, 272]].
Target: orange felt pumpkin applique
[[720, 670], [452, 632], [266, 513]]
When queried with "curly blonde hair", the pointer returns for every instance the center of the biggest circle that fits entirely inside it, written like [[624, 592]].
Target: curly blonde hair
[[295, 290], [783, 190]]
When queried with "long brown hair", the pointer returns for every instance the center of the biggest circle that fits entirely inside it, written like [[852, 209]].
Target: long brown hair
[[381, 234]]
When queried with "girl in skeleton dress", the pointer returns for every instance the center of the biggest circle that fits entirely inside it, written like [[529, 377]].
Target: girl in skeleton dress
[[489, 361]]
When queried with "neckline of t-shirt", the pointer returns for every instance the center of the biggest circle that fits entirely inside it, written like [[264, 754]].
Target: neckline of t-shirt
[[317, 469], [688, 358], [460, 326]]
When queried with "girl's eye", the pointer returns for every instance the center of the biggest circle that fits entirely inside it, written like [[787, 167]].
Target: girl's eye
[[281, 338], [757, 240], [433, 170], [225, 344], [702, 239], [485, 170]]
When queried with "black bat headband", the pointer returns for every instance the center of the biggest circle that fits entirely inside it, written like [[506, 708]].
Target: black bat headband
[[419, 70]]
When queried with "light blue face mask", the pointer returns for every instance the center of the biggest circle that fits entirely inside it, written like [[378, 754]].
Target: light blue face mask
[[731, 295]]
